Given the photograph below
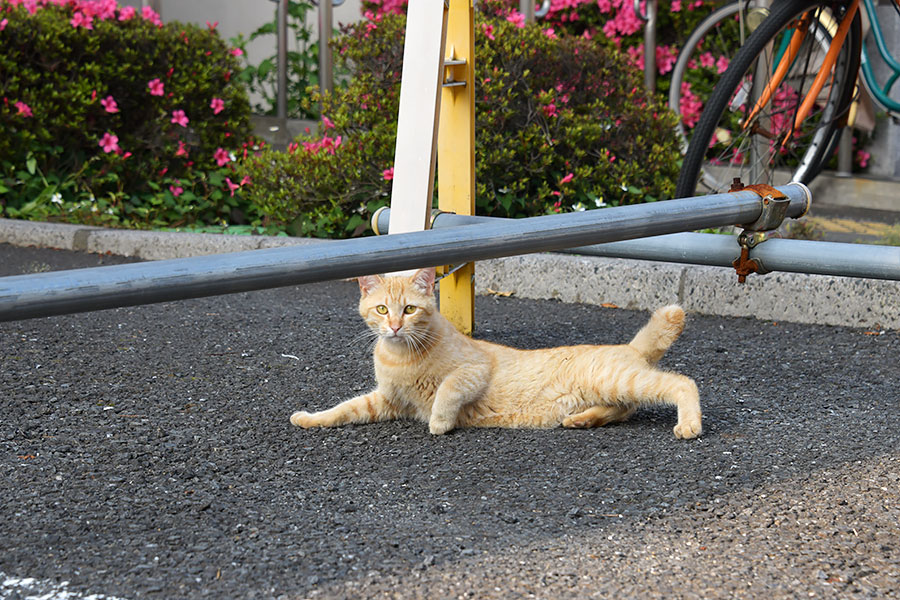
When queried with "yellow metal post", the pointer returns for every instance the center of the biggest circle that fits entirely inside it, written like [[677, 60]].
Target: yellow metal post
[[456, 153]]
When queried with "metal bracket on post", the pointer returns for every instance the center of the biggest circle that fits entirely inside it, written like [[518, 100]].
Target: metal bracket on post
[[450, 62], [774, 209]]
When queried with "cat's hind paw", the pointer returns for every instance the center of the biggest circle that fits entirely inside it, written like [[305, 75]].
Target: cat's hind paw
[[688, 429]]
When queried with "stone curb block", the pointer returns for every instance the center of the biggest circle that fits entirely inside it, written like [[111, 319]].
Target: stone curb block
[[632, 284]]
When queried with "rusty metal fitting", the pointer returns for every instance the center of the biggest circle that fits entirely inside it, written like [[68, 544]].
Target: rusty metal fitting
[[775, 205]]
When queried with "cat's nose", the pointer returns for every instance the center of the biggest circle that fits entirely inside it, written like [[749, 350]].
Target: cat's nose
[[395, 329]]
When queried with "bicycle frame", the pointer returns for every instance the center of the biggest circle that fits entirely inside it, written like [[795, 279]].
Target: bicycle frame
[[787, 60], [878, 93]]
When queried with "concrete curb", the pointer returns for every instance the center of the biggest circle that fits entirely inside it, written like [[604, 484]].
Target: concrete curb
[[632, 284]]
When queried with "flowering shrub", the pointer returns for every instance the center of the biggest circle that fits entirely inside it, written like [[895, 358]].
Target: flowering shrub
[[562, 125], [109, 116], [614, 22]]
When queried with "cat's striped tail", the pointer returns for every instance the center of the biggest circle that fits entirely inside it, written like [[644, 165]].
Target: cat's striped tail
[[659, 333]]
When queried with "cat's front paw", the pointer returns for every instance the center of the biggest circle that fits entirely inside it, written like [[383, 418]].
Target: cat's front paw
[[439, 426], [688, 429], [303, 419]]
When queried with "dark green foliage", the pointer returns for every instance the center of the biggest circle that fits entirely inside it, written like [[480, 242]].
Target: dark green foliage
[[561, 124], [63, 73]]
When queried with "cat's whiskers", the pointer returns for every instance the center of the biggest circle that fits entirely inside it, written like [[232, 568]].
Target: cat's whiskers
[[422, 340], [368, 335]]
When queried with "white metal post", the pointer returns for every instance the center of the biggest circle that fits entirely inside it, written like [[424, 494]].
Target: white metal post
[[417, 122]]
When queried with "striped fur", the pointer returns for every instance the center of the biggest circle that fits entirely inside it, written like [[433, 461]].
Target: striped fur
[[426, 370]]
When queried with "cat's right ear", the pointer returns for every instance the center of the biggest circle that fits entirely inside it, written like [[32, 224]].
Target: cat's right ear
[[368, 283]]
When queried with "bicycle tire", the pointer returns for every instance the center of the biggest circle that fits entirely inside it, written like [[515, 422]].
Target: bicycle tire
[[690, 52], [805, 155]]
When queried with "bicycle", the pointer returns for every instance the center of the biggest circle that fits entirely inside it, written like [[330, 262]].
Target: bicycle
[[776, 113], [704, 56]]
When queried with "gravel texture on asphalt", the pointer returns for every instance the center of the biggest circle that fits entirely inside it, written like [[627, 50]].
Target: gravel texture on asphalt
[[146, 452]]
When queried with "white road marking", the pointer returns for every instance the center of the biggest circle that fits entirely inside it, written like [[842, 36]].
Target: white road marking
[[29, 588]]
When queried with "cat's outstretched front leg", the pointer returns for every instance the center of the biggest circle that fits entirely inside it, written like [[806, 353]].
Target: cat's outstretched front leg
[[368, 408], [461, 387]]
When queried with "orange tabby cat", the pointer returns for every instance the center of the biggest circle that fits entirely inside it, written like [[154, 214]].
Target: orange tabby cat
[[427, 370]]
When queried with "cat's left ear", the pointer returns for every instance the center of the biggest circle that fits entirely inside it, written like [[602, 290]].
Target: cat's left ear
[[368, 283], [424, 280]]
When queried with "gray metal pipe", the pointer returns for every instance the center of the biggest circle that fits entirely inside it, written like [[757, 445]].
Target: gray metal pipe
[[326, 60], [650, 46], [791, 256], [526, 7], [46, 294], [281, 73]]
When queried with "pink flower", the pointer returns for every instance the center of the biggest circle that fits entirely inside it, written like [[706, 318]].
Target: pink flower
[[221, 157], [327, 123], [151, 15], [237, 52], [550, 33], [293, 147], [690, 105], [212, 26], [156, 87], [722, 64], [488, 30], [231, 186], [23, 109], [516, 18], [3, 24], [388, 174], [676, 6], [109, 103], [636, 55], [102, 9], [707, 60], [79, 19], [176, 191], [126, 13], [217, 105], [862, 157], [665, 58], [179, 118], [327, 143], [567, 179], [182, 149], [109, 143], [550, 110]]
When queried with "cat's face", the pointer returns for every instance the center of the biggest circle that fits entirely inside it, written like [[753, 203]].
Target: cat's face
[[399, 309]]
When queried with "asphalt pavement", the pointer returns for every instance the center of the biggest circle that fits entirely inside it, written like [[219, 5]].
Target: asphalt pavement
[[146, 452]]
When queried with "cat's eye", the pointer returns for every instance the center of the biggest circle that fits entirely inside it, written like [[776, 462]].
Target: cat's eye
[[409, 309], [382, 309]]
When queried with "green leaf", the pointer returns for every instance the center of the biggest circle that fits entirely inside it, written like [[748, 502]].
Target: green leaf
[[31, 165], [265, 67]]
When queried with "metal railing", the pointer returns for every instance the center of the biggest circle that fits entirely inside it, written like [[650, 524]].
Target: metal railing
[[62, 292]]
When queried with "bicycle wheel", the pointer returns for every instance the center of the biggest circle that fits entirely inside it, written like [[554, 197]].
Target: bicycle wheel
[[729, 141], [704, 57]]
